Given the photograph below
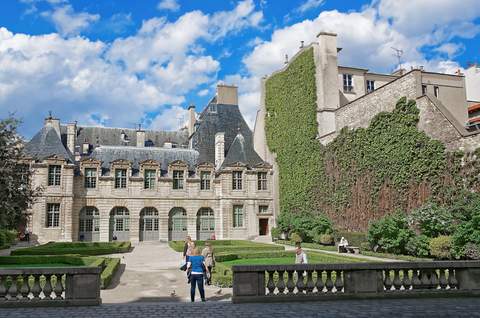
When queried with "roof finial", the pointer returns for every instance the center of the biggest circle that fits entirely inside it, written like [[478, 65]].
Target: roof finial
[[50, 114], [286, 58], [302, 44]]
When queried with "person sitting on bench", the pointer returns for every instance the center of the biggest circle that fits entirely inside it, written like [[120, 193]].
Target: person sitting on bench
[[342, 245]]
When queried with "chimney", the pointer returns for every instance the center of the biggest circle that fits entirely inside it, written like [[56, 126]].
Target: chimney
[[227, 94], [140, 137], [219, 149], [71, 136], [53, 122], [191, 120]]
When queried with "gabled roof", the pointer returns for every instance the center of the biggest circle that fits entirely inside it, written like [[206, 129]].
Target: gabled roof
[[241, 152], [46, 143], [136, 155]]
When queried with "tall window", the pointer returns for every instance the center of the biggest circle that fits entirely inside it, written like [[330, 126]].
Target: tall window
[[149, 179], [237, 180], [263, 209], [424, 89], [237, 216], [370, 86], [436, 90], [53, 215], [205, 180], [177, 179], [54, 175], [90, 178], [262, 180], [120, 178], [347, 83]]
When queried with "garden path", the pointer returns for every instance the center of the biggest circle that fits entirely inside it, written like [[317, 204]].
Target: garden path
[[150, 273], [360, 256]]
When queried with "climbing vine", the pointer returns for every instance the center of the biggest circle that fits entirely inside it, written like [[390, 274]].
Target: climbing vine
[[362, 174]]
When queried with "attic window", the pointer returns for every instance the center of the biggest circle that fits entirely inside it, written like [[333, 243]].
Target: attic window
[[213, 108], [124, 137], [149, 143]]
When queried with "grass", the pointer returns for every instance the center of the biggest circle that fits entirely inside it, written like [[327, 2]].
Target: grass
[[230, 246], [80, 248], [311, 245]]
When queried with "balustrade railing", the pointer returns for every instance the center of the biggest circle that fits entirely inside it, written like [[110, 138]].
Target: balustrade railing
[[327, 281], [50, 286]]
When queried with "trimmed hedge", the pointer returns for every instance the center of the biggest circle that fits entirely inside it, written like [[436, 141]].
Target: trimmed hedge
[[223, 246], [311, 245], [224, 257], [83, 248]]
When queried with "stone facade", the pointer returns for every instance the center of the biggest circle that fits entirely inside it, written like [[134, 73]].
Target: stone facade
[[166, 191]]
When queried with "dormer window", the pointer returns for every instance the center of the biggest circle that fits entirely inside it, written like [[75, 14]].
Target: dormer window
[[177, 179], [124, 137], [347, 83], [90, 178], [120, 178], [262, 181], [212, 108], [370, 86], [149, 179], [237, 180], [205, 180], [54, 175]]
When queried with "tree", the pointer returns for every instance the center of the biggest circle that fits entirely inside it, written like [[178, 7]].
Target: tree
[[16, 192]]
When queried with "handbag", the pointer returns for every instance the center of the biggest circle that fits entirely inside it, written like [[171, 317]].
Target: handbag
[[183, 267]]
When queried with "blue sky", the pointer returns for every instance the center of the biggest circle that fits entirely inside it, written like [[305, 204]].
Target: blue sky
[[120, 63]]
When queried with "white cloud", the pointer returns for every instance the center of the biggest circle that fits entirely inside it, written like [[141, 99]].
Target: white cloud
[[309, 5], [68, 22], [171, 118], [171, 5], [203, 92], [451, 49]]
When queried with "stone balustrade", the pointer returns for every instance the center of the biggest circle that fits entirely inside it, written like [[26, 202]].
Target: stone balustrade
[[275, 283], [73, 286]]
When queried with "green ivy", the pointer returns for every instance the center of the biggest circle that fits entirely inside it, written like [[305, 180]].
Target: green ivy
[[391, 153]]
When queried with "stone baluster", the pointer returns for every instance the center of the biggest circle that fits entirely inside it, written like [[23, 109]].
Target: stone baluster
[[310, 284], [290, 283], [47, 288], [36, 289], [397, 283], [3, 287], [452, 279], [406, 281], [415, 280], [281, 282], [387, 282], [338, 281], [443, 279], [59, 287], [328, 281], [13, 290], [319, 283], [424, 278], [434, 279], [270, 283], [24, 288], [300, 282]]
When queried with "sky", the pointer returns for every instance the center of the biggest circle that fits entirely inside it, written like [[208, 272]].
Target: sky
[[121, 63]]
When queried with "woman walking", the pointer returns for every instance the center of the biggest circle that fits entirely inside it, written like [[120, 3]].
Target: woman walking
[[207, 253], [196, 266], [188, 248]]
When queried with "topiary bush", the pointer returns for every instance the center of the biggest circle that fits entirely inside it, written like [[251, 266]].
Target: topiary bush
[[275, 232], [325, 239], [390, 234], [418, 246], [432, 220], [441, 247], [295, 237]]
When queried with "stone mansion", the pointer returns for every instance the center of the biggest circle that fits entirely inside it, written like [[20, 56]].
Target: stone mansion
[[103, 184]]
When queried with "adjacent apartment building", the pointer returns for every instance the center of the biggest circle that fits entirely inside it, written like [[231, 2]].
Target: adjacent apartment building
[[104, 184]]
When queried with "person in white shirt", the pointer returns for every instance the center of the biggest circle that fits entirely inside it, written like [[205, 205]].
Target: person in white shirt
[[300, 255]]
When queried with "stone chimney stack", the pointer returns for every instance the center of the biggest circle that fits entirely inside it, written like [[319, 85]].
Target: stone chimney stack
[[219, 149], [227, 94], [140, 137], [191, 120], [71, 136], [53, 122]]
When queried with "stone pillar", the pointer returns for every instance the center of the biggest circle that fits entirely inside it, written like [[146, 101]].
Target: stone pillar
[[219, 149], [71, 136], [192, 222], [140, 138], [104, 223]]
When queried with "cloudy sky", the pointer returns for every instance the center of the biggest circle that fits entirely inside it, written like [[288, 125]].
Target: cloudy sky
[[124, 62]]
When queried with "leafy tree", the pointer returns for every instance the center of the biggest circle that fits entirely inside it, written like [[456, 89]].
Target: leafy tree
[[390, 234], [16, 193], [432, 220], [467, 232]]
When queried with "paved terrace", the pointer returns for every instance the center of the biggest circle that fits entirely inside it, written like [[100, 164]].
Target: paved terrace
[[440, 307]]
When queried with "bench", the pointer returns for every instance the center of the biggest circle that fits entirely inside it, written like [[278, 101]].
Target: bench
[[349, 249]]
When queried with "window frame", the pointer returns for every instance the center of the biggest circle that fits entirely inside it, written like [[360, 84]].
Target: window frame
[[54, 175], [149, 179], [262, 180], [436, 91], [370, 86], [120, 181], [238, 216], [347, 83], [178, 179], [424, 89], [90, 182], [205, 182], [260, 208], [53, 215], [237, 180]]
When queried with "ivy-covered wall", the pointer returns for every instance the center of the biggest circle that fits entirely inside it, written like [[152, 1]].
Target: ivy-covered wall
[[364, 173]]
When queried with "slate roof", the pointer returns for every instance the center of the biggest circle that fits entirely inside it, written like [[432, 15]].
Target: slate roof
[[106, 136], [241, 152], [46, 143], [217, 118], [164, 156]]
